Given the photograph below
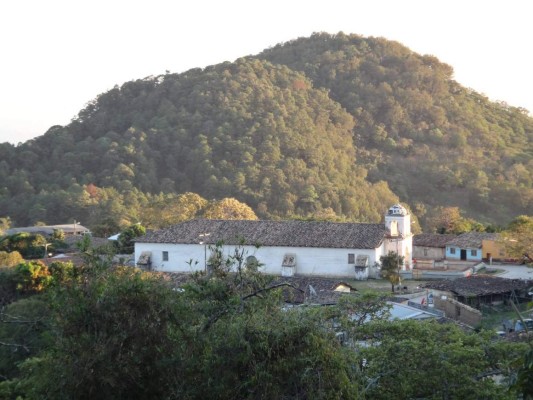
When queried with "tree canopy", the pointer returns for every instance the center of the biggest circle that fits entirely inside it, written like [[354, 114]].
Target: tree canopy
[[96, 331]]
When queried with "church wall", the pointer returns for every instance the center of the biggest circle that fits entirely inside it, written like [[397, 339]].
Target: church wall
[[309, 261]]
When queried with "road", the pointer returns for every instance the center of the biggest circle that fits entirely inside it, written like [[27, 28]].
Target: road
[[513, 271]]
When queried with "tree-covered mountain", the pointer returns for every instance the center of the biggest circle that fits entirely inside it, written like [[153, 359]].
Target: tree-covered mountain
[[319, 127], [434, 141]]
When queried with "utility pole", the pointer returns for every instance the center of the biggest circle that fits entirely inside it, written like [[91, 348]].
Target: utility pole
[[203, 240]]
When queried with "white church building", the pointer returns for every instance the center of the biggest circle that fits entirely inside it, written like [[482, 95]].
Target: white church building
[[287, 248]]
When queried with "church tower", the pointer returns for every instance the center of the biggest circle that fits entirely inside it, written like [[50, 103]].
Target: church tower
[[398, 219], [398, 224]]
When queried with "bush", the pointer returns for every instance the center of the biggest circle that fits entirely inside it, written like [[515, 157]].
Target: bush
[[10, 259]]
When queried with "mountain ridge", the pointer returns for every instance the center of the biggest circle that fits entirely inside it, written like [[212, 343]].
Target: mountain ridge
[[317, 125]]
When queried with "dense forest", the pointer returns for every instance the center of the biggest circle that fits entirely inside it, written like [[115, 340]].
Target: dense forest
[[327, 127]]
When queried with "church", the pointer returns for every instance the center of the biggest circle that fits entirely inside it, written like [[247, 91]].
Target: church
[[286, 248]]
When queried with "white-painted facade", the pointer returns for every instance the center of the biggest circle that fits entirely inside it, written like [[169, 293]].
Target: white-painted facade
[[398, 223], [341, 262], [309, 261]]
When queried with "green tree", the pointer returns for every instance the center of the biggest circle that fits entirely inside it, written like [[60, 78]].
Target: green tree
[[228, 208], [31, 276], [391, 265], [5, 224], [517, 240], [172, 209], [113, 339], [123, 333], [414, 359], [10, 259], [125, 240], [28, 245], [23, 333], [450, 220]]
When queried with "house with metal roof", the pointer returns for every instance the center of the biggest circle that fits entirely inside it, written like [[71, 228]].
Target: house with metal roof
[[287, 248], [68, 229]]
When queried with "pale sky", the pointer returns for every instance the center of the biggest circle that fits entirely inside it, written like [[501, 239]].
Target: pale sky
[[57, 55]]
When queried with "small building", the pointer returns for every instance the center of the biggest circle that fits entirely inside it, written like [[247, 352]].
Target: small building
[[431, 246], [493, 249], [476, 290], [469, 246], [48, 230]]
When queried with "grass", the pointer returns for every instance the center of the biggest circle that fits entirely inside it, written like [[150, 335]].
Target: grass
[[490, 271], [493, 316]]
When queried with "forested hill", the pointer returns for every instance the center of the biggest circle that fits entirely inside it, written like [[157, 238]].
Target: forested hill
[[320, 126], [434, 141], [251, 130]]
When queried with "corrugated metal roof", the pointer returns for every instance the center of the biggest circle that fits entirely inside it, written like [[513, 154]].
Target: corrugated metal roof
[[272, 233], [49, 229]]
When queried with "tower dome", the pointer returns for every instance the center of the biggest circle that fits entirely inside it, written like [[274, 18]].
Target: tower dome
[[398, 210], [398, 220]]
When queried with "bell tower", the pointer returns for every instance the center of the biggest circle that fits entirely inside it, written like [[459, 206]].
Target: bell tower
[[398, 221], [398, 224]]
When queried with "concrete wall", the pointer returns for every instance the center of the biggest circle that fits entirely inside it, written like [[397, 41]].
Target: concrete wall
[[404, 247], [309, 260], [458, 311], [491, 248], [431, 253], [424, 274]]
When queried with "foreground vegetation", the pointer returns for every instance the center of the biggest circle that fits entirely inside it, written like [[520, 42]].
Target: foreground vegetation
[[111, 333]]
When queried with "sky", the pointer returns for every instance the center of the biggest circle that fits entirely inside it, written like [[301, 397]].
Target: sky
[[58, 55]]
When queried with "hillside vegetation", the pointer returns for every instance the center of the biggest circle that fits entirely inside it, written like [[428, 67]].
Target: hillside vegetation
[[331, 126], [434, 141]]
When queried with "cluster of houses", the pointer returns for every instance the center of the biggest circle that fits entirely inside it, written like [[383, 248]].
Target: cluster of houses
[[469, 246], [305, 253], [319, 258], [322, 249]]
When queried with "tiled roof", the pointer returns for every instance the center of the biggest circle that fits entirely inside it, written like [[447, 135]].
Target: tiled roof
[[471, 240], [479, 285], [311, 290], [298, 289], [272, 233], [432, 239]]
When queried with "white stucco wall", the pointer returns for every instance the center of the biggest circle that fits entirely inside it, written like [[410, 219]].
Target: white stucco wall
[[309, 261], [404, 247]]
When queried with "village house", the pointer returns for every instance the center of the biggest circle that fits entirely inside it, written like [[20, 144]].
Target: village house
[[286, 248], [469, 246], [48, 230], [477, 290], [431, 246]]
